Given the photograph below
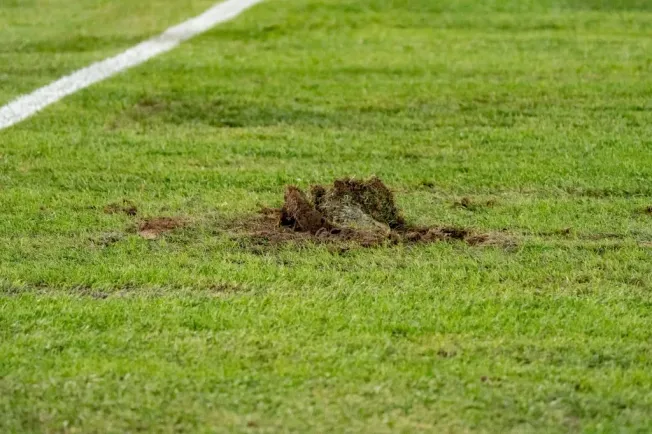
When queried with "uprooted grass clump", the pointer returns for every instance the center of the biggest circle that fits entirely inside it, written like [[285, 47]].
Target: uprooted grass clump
[[360, 211]]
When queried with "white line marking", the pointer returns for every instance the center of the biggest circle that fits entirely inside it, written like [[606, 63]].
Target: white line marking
[[27, 105]]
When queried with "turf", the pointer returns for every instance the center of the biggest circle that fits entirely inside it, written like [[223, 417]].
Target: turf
[[527, 118], [43, 40]]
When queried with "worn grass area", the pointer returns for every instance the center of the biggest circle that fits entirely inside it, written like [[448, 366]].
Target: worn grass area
[[528, 118]]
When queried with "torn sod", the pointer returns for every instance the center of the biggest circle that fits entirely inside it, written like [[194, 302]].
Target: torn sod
[[352, 210]]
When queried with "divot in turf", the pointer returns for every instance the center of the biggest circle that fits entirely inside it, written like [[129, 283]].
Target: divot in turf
[[363, 212]]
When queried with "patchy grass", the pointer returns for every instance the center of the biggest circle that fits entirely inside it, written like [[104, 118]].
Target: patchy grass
[[530, 119]]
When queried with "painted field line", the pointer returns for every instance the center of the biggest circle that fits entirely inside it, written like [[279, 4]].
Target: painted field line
[[27, 105]]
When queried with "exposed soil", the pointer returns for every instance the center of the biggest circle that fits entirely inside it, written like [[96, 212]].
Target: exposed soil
[[152, 228], [349, 212], [300, 215], [363, 212]]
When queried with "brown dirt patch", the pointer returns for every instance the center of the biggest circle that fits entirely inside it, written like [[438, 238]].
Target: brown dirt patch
[[126, 207], [152, 228], [362, 212]]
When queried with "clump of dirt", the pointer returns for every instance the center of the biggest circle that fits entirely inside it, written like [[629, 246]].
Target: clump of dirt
[[360, 211], [126, 207], [299, 214], [152, 228]]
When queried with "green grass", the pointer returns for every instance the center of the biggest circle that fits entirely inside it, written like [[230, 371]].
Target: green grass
[[43, 40], [542, 106]]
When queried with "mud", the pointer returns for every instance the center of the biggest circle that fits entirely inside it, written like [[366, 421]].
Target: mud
[[363, 212], [152, 228]]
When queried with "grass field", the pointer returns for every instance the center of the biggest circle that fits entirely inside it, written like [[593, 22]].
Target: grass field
[[541, 108]]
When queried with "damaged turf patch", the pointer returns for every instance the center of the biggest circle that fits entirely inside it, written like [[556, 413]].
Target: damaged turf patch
[[363, 212], [152, 228]]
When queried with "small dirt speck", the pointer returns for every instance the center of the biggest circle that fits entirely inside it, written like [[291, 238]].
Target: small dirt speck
[[106, 239], [474, 205], [225, 287], [465, 202], [126, 207], [446, 353]]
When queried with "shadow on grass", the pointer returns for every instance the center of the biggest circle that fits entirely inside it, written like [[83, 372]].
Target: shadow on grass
[[611, 5], [242, 113]]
